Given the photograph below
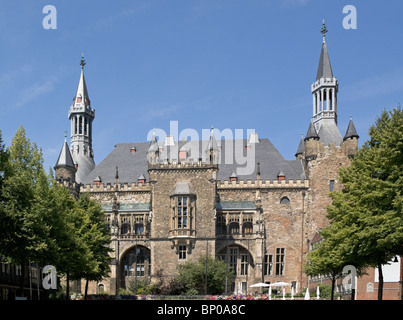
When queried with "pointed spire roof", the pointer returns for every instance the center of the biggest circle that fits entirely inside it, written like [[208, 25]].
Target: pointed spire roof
[[153, 144], [82, 93], [311, 133], [324, 68], [351, 132], [301, 146], [212, 143], [65, 159]]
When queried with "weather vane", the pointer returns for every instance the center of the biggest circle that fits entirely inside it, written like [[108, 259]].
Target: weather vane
[[82, 61], [323, 30]]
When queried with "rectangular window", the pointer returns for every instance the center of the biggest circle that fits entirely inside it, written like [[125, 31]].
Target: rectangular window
[[244, 264], [331, 186], [233, 256], [182, 211], [279, 261], [182, 252], [128, 270], [268, 260]]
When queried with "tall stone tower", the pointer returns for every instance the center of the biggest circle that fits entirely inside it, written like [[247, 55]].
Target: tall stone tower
[[81, 116], [323, 150]]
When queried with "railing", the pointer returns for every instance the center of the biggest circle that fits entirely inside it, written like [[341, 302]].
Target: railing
[[140, 236], [189, 233]]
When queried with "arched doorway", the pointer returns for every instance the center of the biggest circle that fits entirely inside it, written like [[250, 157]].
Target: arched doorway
[[135, 267], [240, 267]]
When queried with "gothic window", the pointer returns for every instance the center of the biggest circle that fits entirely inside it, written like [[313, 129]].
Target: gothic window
[[101, 288], [234, 224], [125, 227], [221, 227], [137, 262], [279, 261], [237, 258], [247, 224], [285, 200], [139, 224]]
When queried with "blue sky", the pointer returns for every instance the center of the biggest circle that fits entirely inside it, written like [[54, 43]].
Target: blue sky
[[239, 64]]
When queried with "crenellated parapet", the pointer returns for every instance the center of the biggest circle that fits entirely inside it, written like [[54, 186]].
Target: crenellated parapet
[[111, 187], [263, 184]]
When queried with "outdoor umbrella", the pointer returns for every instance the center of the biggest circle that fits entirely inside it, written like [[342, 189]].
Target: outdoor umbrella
[[307, 297], [280, 284], [260, 284]]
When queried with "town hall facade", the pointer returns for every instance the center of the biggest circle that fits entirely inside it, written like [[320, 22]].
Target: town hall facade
[[166, 203]]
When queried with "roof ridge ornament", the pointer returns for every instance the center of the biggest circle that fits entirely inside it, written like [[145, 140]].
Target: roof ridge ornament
[[82, 61], [324, 30]]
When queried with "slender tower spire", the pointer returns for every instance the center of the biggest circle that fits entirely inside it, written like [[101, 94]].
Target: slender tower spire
[[81, 116], [324, 92]]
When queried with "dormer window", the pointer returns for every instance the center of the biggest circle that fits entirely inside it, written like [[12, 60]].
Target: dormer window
[[133, 149], [79, 98], [233, 177], [182, 155], [97, 181], [281, 176], [142, 179]]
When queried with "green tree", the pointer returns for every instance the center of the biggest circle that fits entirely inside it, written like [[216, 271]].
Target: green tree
[[94, 233], [366, 218], [21, 223], [3, 162], [193, 274], [325, 260]]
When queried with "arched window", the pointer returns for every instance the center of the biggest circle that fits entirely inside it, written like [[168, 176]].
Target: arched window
[[125, 227], [285, 200], [234, 228], [247, 228], [137, 262], [101, 288], [221, 227]]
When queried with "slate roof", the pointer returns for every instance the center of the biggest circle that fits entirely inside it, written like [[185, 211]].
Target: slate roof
[[236, 205], [132, 165], [65, 159], [329, 133], [350, 132], [324, 68]]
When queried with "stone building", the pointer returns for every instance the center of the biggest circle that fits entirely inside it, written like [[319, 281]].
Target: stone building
[[170, 201]]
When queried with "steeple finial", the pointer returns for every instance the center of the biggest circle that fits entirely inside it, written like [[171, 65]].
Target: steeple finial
[[82, 61], [65, 136], [323, 31]]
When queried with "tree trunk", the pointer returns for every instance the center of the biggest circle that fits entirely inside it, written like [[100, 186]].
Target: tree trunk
[[22, 279], [86, 289], [67, 285], [333, 285], [380, 286]]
